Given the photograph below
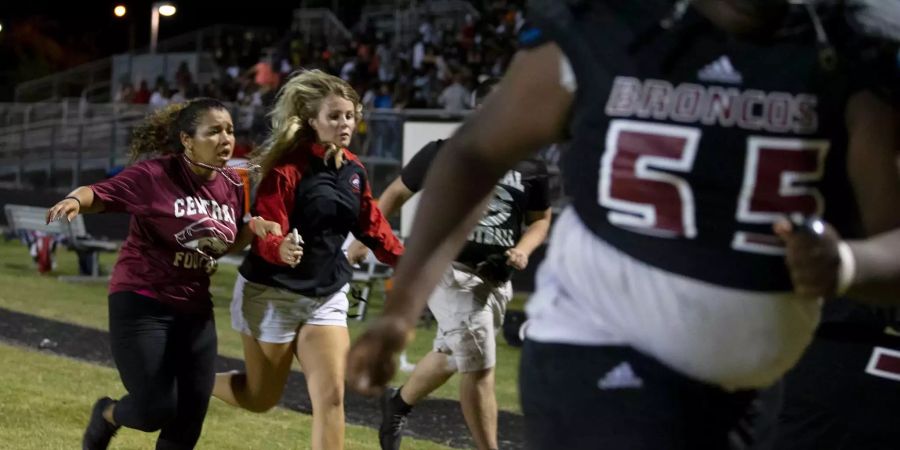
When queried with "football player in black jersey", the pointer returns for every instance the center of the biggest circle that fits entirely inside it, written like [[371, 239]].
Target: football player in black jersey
[[668, 295], [470, 302]]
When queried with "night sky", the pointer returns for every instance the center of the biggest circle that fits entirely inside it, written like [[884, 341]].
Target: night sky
[[43, 36], [75, 20]]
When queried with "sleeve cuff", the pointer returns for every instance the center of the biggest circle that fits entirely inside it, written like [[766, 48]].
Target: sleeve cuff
[[268, 249]]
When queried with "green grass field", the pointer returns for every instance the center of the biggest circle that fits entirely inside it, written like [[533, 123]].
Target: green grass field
[[46, 399], [23, 289]]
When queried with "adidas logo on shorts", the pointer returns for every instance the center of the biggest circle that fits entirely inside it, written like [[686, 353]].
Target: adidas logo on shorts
[[620, 377]]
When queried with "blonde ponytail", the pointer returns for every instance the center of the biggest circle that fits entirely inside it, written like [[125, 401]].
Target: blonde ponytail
[[283, 138], [333, 152], [297, 102]]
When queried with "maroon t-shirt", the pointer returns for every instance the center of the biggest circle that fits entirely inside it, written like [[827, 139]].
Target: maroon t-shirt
[[174, 213]]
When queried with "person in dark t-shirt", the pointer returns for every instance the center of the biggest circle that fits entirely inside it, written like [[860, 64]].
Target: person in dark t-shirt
[[186, 211]]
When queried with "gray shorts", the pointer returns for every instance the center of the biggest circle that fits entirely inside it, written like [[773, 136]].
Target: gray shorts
[[274, 315], [469, 313]]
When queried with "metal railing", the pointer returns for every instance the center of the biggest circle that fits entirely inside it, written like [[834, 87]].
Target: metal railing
[[404, 23], [60, 145], [320, 21], [67, 83], [212, 37], [55, 145], [383, 18]]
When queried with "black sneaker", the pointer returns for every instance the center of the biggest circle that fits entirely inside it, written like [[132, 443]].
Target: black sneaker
[[393, 419], [99, 431]]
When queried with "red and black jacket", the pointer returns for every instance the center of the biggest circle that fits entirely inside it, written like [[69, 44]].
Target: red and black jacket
[[324, 204]]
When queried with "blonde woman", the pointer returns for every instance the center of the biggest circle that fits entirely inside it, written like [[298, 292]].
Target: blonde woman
[[290, 298]]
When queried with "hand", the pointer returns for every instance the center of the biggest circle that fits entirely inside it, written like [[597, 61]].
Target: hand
[[262, 227], [67, 207], [813, 260], [372, 360], [290, 251], [357, 253], [516, 258]]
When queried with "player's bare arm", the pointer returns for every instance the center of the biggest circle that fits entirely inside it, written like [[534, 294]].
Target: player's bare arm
[[394, 197], [506, 130], [874, 144], [79, 201], [869, 270], [538, 223]]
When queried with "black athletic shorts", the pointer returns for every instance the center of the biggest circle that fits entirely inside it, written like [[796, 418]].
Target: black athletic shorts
[[844, 394], [612, 397]]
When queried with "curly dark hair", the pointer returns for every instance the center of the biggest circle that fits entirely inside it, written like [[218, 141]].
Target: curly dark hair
[[160, 133]]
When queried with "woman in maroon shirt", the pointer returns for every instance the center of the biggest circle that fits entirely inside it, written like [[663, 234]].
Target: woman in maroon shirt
[[288, 301], [185, 212]]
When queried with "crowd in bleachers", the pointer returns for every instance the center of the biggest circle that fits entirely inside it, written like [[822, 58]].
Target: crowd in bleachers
[[438, 69]]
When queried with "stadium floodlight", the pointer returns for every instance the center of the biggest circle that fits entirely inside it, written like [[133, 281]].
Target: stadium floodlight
[[120, 10], [167, 9], [164, 8]]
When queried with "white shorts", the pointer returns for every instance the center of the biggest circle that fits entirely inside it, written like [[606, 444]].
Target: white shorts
[[469, 313], [274, 315], [590, 293]]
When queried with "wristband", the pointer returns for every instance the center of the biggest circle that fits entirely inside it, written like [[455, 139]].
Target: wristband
[[847, 269]]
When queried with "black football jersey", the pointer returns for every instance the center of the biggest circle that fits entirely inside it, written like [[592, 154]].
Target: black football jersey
[[688, 143], [522, 189]]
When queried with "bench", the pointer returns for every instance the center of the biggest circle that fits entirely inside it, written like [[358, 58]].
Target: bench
[[369, 273], [33, 218]]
